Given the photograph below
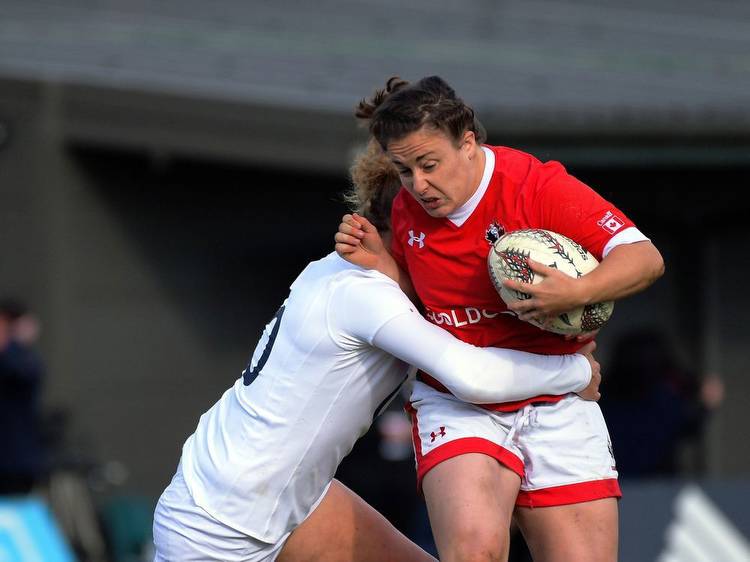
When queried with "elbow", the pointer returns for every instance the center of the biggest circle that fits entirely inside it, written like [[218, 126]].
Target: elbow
[[661, 269], [463, 393], [468, 393], [653, 266], [658, 266]]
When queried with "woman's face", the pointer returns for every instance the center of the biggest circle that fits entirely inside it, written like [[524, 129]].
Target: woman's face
[[437, 172]]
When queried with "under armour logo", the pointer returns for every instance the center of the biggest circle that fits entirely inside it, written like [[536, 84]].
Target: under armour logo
[[440, 433], [418, 239]]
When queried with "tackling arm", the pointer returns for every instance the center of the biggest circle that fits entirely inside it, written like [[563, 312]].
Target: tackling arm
[[358, 242], [480, 375]]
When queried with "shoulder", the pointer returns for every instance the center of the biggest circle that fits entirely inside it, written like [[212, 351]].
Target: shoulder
[[363, 301], [365, 285], [513, 162], [524, 170], [515, 167]]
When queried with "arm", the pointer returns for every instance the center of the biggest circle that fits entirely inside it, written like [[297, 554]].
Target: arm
[[564, 204], [626, 270], [482, 375], [358, 242]]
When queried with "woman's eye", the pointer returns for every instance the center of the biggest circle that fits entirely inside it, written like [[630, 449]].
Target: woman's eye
[[428, 167]]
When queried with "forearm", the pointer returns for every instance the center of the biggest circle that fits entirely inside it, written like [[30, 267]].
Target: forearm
[[480, 375], [627, 270], [489, 375]]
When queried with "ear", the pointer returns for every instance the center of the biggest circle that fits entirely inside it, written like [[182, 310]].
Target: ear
[[469, 143]]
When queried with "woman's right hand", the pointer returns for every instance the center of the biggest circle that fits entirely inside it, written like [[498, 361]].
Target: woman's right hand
[[591, 392]]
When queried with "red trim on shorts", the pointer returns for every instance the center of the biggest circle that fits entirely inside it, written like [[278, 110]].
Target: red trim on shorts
[[570, 493], [500, 406], [414, 431], [463, 446]]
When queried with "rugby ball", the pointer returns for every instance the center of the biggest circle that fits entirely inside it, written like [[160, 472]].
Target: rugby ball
[[508, 260]]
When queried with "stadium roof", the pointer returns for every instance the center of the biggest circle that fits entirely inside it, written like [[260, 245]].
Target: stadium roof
[[571, 69]]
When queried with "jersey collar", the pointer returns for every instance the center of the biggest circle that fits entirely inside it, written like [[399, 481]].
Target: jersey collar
[[461, 215]]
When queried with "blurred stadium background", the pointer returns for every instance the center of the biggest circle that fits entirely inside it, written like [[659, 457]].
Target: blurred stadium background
[[166, 168]]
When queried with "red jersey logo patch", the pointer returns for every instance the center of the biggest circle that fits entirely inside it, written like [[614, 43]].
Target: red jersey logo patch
[[494, 232], [610, 222]]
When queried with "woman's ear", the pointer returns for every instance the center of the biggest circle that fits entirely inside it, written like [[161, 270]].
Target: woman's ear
[[469, 143]]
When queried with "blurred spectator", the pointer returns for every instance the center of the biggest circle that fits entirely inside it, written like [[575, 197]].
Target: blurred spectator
[[21, 374], [654, 404]]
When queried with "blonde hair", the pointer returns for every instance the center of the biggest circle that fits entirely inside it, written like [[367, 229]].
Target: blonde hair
[[375, 182]]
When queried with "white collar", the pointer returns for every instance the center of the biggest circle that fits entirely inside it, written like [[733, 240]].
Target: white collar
[[462, 214]]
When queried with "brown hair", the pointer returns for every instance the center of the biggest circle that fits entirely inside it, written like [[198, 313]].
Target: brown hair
[[375, 182], [402, 108]]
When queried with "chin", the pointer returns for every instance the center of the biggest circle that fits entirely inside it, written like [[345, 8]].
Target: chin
[[439, 212], [436, 213]]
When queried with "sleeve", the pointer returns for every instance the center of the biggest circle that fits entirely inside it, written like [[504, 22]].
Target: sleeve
[[566, 205], [361, 305], [627, 236], [481, 375]]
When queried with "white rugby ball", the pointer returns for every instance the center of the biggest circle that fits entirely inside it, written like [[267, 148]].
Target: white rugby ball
[[508, 260]]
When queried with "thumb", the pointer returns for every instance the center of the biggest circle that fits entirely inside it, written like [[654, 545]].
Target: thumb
[[367, 226]]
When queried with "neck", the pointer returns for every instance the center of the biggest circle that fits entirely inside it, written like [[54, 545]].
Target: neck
[[477, 172]]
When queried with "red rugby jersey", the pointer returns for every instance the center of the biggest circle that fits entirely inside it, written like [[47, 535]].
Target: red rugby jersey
[[448, 263]]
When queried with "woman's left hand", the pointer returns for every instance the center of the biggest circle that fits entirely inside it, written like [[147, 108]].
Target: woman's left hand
[[555, 294]]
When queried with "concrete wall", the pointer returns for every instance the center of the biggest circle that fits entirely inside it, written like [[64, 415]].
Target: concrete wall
[[152, 278]]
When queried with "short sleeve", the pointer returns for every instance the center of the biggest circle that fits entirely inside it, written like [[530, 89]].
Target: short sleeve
[[568, 206], [363, 303]]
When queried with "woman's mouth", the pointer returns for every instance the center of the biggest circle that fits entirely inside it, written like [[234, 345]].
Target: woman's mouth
[[430, 202]]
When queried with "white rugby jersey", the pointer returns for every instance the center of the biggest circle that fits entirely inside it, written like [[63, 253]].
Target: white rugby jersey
[[265, 452]]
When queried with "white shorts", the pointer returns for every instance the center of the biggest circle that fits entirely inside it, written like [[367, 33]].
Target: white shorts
[[183, 532], [561, 450]]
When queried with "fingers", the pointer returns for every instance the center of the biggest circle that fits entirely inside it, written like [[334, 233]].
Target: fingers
[[344, 249], [588, 349], [596, 371], [351, 227], [523, 305], [540, 268], [518, 286], [348, 238], [341, 238], [351, 220], [534, 316], [364, 224]]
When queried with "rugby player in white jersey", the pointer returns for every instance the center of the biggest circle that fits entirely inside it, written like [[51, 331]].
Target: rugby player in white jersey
[[255, 480]]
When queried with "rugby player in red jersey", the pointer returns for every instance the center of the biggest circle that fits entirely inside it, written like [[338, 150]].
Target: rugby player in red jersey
[[548, 457]]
